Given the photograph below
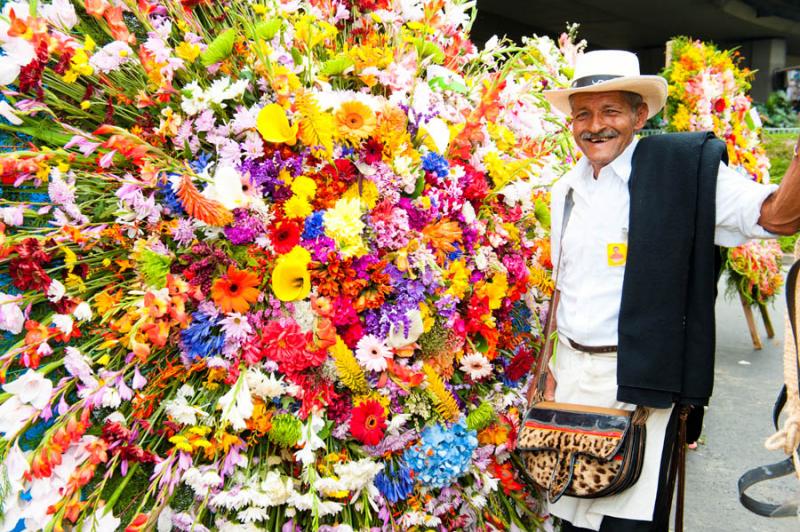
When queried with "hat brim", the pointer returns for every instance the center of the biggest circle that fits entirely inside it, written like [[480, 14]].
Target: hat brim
[[653, 90]]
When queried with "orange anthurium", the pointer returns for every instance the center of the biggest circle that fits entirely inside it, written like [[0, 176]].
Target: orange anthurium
[[236, 290], [274, 126]]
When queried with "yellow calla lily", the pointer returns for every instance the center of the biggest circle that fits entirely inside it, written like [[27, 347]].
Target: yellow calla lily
[[290, 279], [274, 126]]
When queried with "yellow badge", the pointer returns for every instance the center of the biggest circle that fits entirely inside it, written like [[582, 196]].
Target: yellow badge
[[617, 253]]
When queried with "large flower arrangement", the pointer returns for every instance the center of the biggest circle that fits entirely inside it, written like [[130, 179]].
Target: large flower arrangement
[[276, 264], [708, 92]]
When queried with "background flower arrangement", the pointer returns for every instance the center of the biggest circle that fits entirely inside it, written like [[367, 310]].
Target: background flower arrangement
[[276, 265], [708, 92]]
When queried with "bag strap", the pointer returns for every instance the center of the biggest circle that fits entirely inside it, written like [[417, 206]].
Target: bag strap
[[550, 324], [784, 467]]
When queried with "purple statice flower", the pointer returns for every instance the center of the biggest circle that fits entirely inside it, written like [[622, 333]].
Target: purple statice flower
[[245, 228], [446, 306]]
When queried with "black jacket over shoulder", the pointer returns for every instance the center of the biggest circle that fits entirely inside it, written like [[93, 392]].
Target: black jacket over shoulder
[[666, 319]]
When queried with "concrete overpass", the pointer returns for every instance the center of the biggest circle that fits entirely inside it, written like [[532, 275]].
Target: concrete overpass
[[767, 32]]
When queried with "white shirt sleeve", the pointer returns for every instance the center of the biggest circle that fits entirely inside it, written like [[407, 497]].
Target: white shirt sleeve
[[739, 202]]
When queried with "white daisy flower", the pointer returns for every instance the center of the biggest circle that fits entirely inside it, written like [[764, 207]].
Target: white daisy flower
[[476, 366]]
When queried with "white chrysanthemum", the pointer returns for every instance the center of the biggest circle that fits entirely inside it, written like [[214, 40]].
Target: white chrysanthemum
[[276, 490], [372, 353], [252, 515], [476, 366]]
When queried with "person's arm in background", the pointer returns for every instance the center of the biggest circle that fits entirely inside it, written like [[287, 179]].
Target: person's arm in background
[[780, 212]]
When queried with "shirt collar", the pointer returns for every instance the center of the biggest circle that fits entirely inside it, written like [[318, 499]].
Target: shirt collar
[[622, 164]]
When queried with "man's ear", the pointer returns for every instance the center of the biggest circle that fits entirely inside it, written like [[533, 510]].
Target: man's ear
[[641, 116]]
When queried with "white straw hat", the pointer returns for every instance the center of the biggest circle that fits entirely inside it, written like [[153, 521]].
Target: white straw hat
[[610, 70]]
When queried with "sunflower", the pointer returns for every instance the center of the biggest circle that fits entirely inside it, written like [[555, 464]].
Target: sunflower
[[236, 290], [355, 121]]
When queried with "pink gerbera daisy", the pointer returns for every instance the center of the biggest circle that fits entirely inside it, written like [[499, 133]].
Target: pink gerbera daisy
[[372, 353]]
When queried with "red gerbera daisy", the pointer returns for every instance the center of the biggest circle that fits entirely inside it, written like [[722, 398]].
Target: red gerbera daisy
[[373, 151], [284, 236], [368, 422]]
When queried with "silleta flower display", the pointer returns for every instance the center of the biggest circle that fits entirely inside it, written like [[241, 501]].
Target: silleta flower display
[[272, 265], [708, 92]]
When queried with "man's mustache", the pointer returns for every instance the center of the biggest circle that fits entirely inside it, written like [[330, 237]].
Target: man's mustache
[[603, 134]]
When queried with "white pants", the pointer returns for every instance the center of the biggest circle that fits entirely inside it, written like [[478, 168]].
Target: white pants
[[591, 379]]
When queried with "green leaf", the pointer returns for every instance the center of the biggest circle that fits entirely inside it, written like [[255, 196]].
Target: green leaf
[[336, 66], [748, 119], [542, 212], [453, 85], [268, 29], [297, 57], [428, 49], [220, 48]]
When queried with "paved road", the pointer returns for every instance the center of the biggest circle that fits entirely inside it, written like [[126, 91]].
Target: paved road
[[736, 425]]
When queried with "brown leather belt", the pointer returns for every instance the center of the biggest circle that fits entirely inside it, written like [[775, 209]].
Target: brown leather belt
[[592, 348]]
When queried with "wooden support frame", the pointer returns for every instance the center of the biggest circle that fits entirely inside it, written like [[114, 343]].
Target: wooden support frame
[[751, 322]]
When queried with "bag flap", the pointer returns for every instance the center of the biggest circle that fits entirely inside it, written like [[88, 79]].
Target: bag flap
[[597, 432]]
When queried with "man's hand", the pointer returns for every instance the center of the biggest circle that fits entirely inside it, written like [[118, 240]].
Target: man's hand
[[549, 388]]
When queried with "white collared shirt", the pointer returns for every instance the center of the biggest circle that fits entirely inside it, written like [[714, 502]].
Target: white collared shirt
[[592, 268]]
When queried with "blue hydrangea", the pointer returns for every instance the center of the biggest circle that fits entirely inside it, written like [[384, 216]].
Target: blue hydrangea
[[436, 164], [200, 339], [395, 483], [313, 227], [443, 454]]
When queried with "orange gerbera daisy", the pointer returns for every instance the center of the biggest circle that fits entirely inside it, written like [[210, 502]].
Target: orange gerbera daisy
[[236, 290], [355, 121]]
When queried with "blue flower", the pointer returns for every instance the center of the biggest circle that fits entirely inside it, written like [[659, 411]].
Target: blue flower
[[201, 162], [170, 198], [395, 484], [199, 339], [436, 164], [443, 454], [313, 227]]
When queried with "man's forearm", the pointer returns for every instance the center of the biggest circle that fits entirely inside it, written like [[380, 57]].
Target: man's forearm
[[780, 212]]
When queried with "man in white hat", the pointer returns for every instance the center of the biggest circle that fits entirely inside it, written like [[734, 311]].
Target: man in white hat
[[638, 268]]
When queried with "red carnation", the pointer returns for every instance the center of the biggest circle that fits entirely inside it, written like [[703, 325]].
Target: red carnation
[[720, 105], [284, 236], [368, 422]]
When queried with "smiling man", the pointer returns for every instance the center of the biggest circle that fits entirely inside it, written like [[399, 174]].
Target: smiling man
[[638, 266]]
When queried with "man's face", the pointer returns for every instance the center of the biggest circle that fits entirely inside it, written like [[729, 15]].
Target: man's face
[[603, 124]]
